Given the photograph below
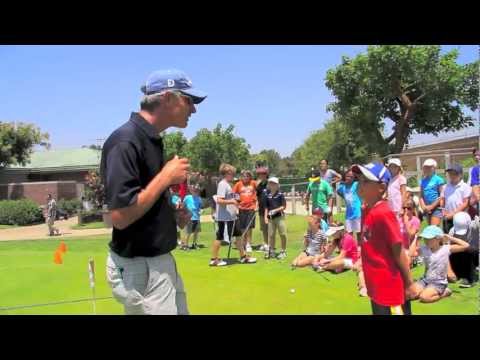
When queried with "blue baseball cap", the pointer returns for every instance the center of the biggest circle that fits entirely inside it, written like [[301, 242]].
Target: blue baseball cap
[[457, 168], [431, 231], [172, 79], [373, 171]]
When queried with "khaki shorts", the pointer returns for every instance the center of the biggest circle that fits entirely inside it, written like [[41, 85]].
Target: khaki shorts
[[147, 285], [275, 224]]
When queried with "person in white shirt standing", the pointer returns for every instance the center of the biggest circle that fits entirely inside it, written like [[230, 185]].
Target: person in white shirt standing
[[455, 195]]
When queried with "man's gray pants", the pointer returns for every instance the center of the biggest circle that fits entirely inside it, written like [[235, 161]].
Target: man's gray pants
[[147, 285]]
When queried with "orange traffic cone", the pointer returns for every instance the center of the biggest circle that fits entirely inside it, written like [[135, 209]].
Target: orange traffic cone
[[62, 247], [57, 257]]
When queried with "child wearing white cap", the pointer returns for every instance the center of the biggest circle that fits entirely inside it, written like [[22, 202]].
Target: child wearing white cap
[[431, 187], [275, 204], [397, 187], [464, 264], [348, 255]]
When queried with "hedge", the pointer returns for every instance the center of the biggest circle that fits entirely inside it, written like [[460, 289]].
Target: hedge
[[20, 212]]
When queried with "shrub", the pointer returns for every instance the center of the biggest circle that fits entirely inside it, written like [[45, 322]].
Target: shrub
[[70, 206], [412, 182], [20, 212], [86, 217]]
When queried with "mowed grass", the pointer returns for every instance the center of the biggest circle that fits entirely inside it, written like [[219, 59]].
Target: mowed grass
[[92, 225], [7, 226], [29, 276]]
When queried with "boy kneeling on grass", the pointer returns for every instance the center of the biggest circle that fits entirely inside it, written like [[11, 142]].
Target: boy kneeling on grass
[[348, 255], [385, 265], [314, 241], [436, 251]]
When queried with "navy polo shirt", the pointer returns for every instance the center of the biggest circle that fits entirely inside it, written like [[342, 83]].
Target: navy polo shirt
[[131, 157], [274, 201]]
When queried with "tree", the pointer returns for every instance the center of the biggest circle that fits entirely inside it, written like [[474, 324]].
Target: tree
[[175, 143], [17, 141], [415, 87], [208, 149], [287, 167], [270, 158], [337, 142], [94, 189]]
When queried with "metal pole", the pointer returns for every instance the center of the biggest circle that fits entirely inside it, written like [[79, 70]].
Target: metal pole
[[294, 202], [419, 170]]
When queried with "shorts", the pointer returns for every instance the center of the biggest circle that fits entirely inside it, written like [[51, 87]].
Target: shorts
[[404, 309], [246, 219], [311, 253], [229, 226], [193, 226], [439, 287], [352, 225], [347, 263], [277, 223], [147, 285]]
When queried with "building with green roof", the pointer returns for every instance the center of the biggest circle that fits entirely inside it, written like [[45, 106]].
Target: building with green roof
[[60, 172]]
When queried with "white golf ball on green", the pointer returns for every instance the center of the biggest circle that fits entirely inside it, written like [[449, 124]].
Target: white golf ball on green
[[292, 291]]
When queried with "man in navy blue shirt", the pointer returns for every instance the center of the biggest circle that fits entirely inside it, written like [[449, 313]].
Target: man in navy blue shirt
[[140, 269]]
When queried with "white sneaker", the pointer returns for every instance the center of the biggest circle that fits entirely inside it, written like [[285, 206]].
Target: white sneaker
[[217, 262], [263, 248], [282, 255], [248, 248], [248, 260]]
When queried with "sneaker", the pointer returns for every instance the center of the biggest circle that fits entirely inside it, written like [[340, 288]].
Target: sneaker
[[248, 248], [282, 255], [263, 248], [464, 283], [446, 292], [269, 254], [248, 260], [217, 262]]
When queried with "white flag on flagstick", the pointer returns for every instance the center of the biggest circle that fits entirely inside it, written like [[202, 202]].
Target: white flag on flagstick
[[91, 272]]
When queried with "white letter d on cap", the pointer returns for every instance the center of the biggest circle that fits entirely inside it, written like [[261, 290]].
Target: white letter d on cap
[[170, 83]]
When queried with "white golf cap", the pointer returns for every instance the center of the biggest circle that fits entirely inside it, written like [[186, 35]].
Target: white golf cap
[[333, 230], [430, 162], [395, 161], [461, 222], [274, 180]]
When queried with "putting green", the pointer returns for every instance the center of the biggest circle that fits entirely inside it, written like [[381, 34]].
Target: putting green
[[29, 276]]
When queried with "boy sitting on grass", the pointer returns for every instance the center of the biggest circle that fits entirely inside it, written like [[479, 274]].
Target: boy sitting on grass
[[348, 255], [314, 242], [384, 261], [434, 282]]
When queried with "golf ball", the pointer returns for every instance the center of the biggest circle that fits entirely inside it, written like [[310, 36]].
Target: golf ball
[[292, 291]]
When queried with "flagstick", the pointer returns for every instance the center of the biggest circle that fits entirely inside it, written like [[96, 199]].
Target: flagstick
[[91, 275], [94, 302]]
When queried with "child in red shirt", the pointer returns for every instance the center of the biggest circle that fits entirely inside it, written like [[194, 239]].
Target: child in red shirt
[[385, 264]]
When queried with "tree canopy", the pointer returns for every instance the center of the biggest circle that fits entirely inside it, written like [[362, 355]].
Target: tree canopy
[[416, 87], [17, 141]]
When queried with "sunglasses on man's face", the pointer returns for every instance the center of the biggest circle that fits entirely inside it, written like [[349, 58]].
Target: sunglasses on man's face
[[407, 208]]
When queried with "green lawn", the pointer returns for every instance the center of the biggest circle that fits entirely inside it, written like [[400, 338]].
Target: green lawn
[[92, 225], [29, 276], [7, 226]]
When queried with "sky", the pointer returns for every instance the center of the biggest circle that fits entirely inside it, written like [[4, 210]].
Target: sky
[[274, 95]]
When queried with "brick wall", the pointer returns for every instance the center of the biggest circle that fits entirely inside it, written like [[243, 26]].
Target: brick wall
[[38, 191]]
